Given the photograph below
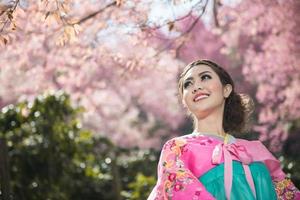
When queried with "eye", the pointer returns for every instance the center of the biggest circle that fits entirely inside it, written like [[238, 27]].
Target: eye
[[205, 75], [186, 84]]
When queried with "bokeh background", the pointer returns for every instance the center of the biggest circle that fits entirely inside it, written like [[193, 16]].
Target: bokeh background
[[88, 88]]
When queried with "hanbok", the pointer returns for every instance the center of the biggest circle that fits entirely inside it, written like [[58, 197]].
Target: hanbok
[[207, 167]]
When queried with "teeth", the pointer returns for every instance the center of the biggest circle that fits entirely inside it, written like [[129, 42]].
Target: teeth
[[201, 97]]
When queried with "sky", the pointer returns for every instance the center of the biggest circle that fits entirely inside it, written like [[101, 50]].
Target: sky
[[162, 11]]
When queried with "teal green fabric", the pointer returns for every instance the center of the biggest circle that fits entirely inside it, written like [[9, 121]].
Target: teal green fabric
[[213, 181]]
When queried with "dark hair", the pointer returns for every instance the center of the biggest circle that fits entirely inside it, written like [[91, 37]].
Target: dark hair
[[238, 107]]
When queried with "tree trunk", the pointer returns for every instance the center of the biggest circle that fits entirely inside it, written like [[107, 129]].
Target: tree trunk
[[116, 177], [4, 171]]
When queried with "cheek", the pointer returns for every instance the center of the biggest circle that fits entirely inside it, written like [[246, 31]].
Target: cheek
[[186, 96], [215, 88]]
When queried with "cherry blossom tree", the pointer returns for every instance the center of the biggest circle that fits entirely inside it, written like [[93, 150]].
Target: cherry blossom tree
[[120, 59], [106, 63], [264, 37]]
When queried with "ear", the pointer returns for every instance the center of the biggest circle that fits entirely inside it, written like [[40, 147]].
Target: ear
[[227, 90]]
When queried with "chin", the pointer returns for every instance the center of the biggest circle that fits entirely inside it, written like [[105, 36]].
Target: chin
[[198, 110], [204, 110], [201, 115]]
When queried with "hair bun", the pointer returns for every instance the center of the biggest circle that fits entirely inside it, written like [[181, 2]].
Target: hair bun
[[249, 107], [247, 102]]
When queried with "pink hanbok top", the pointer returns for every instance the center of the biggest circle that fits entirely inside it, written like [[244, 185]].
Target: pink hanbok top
[[186, 158]]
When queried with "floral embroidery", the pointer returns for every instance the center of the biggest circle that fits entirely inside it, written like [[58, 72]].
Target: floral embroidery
[[172, 177], [197, 194], [206, 141], [178, 186], [285, 189], [176, 175], [178, 146]]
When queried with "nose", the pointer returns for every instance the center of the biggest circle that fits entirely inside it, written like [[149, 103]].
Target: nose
[[195, 90]]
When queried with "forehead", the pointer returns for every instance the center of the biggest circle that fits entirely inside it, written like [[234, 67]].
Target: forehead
[[194, 71]]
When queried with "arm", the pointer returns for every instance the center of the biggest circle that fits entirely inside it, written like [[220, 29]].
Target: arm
[[175, 180], [284, 187]]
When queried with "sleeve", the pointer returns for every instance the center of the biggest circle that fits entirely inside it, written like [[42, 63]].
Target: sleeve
[[285, 189], [175, 181]]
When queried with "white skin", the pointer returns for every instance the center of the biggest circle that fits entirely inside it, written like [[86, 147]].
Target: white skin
[[209, 111]]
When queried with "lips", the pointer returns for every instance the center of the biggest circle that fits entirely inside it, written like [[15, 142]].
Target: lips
[[200, 96]]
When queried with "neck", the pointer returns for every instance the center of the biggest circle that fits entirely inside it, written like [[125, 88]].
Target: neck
[[211, 124]]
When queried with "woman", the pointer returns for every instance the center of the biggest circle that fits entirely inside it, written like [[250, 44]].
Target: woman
[[211, 163]]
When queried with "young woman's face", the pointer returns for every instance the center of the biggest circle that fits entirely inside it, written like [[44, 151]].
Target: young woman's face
[[209, 97]]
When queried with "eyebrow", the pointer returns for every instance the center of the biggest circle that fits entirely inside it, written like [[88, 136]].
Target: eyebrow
[[191, 78]]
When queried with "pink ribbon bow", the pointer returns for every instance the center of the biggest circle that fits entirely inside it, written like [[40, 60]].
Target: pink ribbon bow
[[241, 154]]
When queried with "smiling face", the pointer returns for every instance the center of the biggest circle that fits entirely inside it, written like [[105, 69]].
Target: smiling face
[[214, 93]]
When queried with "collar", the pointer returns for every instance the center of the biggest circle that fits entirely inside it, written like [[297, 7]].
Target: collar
[[227, 139]]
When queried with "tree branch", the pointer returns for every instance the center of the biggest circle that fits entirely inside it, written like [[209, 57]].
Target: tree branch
[[9, 12], [215, 13], [91, 15], [184, 33]]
